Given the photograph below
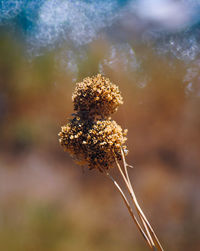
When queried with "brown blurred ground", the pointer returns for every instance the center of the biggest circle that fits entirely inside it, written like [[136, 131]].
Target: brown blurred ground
[[49, 203]]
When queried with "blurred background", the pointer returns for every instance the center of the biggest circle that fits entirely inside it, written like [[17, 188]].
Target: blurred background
[[151, 50]]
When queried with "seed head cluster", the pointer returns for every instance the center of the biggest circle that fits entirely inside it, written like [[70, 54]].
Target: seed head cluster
[[97, 95], [94, 138]]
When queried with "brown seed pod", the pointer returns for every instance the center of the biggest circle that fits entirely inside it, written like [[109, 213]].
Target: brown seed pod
[[95, 143], [96, 95]]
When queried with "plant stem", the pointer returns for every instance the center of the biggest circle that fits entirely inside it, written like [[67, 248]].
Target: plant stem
[[140, 212], [129, 209], [147, 227]]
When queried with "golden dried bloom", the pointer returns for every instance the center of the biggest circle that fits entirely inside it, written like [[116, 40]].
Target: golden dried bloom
[[93, 139], [96, 96], [72, 137], [95, 143]]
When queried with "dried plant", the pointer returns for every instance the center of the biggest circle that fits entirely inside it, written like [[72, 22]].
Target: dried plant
[[96, 95], [94, 139]]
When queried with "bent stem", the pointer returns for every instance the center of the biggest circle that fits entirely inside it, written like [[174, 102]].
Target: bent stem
[[152, 238]]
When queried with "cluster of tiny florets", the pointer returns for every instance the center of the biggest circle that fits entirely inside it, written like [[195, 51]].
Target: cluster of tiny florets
[[95, 143], [91, 137], [97, 95]]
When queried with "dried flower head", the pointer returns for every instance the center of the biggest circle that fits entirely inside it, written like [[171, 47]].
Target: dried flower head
[[92, 138], [95, 143], [96, 96]]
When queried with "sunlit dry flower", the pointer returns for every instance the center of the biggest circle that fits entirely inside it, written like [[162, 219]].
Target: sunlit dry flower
[[95, 143], [96, 96], [93, 139]]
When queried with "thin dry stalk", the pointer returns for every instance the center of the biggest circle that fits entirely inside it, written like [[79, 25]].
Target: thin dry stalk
[[132, 192], [138, 208], [129, 209], [129, 187], [147, 227]]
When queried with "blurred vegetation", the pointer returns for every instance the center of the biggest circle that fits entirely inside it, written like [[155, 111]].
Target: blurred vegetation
[[48, 203]]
